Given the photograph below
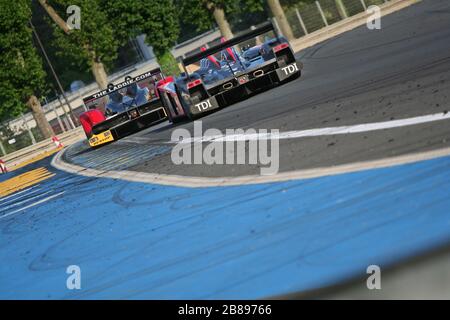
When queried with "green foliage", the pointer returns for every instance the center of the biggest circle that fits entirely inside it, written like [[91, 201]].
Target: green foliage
[[124, 17], [199, 12], [160, 25], [95, 41], [21, 72], [168, 64], [159, 20], [66, 69], [195, 12], [288, 4]]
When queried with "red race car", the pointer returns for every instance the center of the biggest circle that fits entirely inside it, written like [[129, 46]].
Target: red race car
[[123, 109]]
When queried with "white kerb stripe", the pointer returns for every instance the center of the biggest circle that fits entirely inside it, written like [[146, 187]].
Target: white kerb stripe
[[358, 128]]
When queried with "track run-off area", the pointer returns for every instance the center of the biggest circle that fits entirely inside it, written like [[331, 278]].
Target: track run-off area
[[364, 179]]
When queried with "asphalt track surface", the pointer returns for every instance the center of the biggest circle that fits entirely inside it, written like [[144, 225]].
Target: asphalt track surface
[[144, 240], [362, 76]]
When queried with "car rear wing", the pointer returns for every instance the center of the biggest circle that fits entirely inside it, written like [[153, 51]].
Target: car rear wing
[[266, 27], [128, 81]]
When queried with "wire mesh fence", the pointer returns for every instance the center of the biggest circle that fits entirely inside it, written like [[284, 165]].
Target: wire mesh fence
[[17, 135], [22, 131], [13, 140], [331, 11], [307, 18]]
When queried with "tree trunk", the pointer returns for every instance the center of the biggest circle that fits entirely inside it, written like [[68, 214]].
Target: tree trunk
[[55, 17], [98, 69], [39, 115], [278, 13], [100, 76], [222, 22]]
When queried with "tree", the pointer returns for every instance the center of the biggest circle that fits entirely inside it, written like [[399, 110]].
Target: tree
[[21, 72], [278, 13], [204, 13], [66, 69], [159, 20], [92, 46], [218, 11], [161, 26]]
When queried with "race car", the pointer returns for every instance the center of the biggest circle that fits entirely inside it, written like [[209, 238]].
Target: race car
[[229, 72], [123, 109]]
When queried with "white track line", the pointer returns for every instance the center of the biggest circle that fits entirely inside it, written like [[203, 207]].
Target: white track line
[[358, 128], [31, 205], [20, 197], [18, 203], [17, 193]]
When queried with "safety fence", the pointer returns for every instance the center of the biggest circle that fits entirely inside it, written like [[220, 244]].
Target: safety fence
[[22, 132], [307, 18]]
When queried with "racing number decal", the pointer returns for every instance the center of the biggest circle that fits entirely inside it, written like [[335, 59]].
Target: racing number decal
[[202, 106], [290, 69]]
